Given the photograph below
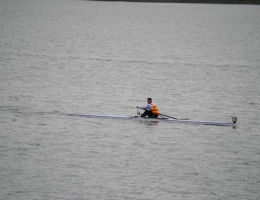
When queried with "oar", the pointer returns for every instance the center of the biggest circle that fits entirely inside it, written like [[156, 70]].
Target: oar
[[138, 112], [167, 116], [171, 117]]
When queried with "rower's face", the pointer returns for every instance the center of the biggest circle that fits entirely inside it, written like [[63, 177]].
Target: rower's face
[[149, 101]]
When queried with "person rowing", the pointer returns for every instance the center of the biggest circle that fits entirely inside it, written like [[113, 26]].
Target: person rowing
[[151, 110]]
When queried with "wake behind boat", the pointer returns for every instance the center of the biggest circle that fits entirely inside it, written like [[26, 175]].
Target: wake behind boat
[[160, 119]]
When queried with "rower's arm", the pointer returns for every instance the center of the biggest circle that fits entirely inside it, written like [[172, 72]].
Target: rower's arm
[[147, 107]]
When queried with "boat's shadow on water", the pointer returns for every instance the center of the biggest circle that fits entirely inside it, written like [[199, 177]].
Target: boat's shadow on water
[[150, 123]]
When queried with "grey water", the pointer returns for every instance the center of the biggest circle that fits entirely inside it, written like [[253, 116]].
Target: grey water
[[197, 61]]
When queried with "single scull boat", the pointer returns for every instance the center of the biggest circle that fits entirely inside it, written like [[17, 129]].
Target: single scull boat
[[138, 118]]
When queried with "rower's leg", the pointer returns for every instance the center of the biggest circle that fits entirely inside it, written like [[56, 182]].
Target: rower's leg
[[145, 113], [152, 115]]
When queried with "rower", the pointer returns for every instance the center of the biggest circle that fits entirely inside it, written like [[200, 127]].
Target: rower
[[151, 109]]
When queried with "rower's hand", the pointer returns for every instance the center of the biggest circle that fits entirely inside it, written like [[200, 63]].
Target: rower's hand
[[137, 106]]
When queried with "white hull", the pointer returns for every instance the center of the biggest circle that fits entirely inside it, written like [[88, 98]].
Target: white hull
[[157, 119]]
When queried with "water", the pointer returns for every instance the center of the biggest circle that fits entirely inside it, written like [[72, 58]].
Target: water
[[195, 60]]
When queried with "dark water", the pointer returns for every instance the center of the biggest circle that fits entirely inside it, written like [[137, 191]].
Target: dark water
[[199, 61]]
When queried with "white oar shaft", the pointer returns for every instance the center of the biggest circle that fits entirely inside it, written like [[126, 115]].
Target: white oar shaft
[[138, 112]]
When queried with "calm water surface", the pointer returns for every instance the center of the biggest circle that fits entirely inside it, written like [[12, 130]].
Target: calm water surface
[[196, 61]]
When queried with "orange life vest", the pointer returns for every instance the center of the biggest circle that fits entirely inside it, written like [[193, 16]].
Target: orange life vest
[[155, 110]]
